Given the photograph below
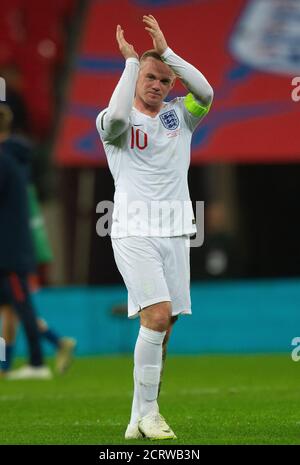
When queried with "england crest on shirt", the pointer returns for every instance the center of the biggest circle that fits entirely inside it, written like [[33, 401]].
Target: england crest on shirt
[[170, 119]]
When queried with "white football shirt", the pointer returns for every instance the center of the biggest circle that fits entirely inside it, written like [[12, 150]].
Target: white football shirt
[[149, 162]]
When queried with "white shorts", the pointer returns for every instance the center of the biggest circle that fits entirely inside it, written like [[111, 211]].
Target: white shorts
[[155, 269]]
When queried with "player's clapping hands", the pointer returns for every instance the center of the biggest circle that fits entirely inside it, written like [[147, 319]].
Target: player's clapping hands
[[126, 49], [152, 26], [159, 41]]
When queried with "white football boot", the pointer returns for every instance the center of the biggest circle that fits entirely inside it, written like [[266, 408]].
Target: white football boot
[[29, 372], [133, 432], [154, 426]]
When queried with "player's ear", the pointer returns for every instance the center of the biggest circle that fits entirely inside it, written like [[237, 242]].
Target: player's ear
[[173, 82]]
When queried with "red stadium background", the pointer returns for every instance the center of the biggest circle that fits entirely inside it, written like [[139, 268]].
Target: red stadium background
[[253, 118]]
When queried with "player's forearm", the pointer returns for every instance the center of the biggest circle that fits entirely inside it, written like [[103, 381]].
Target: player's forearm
[[120, 105], [191, 77]]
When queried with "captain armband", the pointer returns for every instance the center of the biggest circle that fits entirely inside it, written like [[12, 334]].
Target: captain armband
[[194, 107]]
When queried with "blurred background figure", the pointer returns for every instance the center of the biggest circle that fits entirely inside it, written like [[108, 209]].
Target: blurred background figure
[[64, 346], [14, 98], [16, 249], [31, 59]]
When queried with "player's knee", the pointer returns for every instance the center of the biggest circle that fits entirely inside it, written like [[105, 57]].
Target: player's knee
[[157, 317], [159, 321]]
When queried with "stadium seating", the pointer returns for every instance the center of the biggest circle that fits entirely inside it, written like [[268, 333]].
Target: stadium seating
[[32, 36]]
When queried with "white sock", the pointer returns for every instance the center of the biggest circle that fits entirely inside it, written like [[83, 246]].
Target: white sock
[[147, 366]]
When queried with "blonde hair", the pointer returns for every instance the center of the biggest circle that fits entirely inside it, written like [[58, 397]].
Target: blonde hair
[[151, 54]]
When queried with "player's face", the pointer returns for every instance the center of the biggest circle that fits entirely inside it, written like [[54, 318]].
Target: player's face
[[154, 83]]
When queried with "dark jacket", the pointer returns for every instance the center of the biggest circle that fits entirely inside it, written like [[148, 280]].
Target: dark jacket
[[16, 248]]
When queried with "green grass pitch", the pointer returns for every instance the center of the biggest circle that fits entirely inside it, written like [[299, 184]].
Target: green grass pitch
[[206, 400]]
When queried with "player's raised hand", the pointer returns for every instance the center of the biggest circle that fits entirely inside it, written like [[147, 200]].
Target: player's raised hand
[[126, 49], [159, 41]]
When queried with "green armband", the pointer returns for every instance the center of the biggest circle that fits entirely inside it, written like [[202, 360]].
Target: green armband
[[194, 107]]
